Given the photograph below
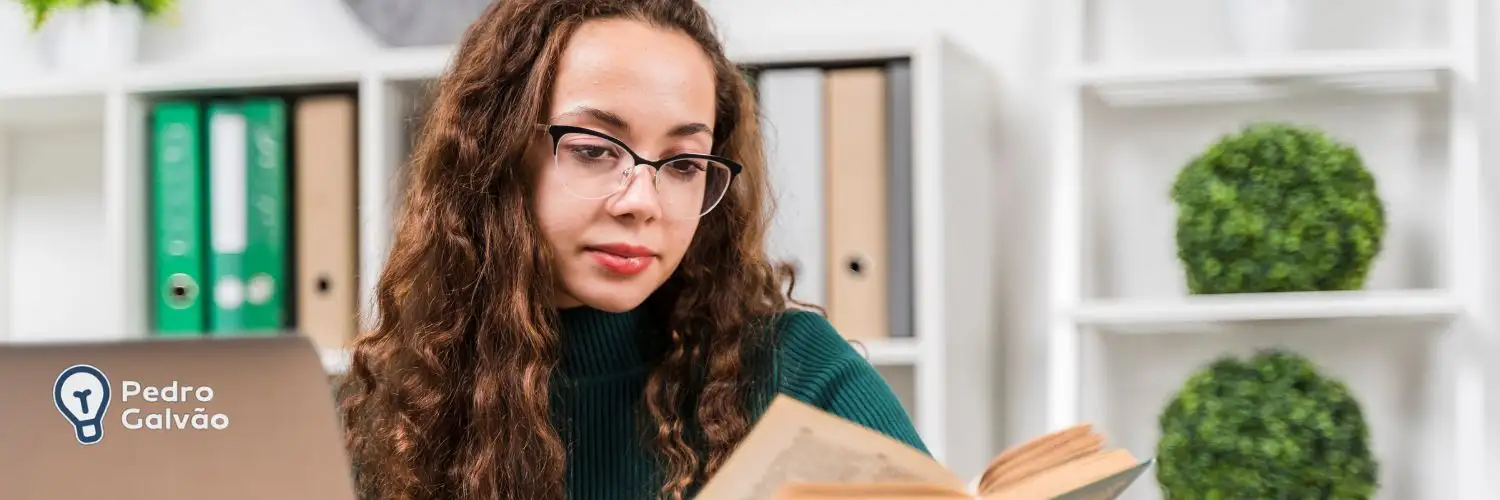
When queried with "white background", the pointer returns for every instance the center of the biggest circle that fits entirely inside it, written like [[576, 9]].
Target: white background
[[1015, 41]]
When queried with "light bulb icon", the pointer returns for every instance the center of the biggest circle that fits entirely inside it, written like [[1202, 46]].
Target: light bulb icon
[[82, 395]]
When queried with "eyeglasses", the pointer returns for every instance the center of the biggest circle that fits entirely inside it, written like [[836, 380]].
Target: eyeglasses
[[595, 166]]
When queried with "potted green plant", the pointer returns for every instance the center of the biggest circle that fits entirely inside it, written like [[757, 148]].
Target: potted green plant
[[1277, 207], [91, 35], [1271, 426]]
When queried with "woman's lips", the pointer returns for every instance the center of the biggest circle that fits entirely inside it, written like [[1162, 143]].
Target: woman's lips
[[622, 259]]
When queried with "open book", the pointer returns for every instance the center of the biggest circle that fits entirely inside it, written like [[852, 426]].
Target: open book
[[798, 452]]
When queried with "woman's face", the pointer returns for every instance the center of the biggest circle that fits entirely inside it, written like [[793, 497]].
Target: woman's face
[[653, 90]]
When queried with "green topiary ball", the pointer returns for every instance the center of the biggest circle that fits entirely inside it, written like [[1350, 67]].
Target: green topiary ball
[[1267, 427], [1277, 208]]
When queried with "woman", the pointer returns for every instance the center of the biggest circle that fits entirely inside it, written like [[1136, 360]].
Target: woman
[[562, 316]]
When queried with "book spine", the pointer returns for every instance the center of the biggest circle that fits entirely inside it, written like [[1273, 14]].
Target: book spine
[[227, 206], [792, 116], [179, 223], [899, 207], [858, 268], [325, 185], [267, 232]]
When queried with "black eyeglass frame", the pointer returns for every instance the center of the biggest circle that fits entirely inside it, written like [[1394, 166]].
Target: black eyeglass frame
[[558, 131]]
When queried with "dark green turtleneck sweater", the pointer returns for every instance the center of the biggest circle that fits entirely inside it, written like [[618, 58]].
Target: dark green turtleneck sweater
[[607, 357]]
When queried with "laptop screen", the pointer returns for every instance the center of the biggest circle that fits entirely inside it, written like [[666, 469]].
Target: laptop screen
[[223, 418]]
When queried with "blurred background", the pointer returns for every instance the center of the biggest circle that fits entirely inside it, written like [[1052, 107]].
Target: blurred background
[[1064, 230]]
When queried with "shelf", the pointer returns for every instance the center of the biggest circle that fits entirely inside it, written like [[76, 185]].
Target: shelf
[[335, 361], [415, 64], [827, 48], [893, 352], [1175, 314], [1253, 79], [396, 65], [50, 87], [51, 100], [279, 72]]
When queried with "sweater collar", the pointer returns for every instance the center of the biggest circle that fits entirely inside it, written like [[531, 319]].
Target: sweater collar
[[597, 343]]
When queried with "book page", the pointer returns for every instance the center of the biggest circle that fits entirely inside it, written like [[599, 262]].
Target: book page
[[797, 443], [1077, 475], [882, 491], [1039, 455], [1110, 487]]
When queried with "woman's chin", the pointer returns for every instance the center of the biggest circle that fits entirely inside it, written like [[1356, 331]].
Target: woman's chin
[[616, 304], [613, 299], [610, 292]]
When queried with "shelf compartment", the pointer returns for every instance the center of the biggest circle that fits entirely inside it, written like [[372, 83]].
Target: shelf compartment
[[902, 379], [1256, 79], [53, 232], [891, 352], [1132, 156], [1118, 30], [1397, 373], [256, 73], [1195, 313]]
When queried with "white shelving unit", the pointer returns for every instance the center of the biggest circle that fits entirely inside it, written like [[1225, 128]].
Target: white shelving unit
[[73, 203], [1200, 314], [1124, 333], [1252, 80]]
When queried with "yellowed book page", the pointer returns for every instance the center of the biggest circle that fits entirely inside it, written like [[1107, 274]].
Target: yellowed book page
[[1041, 459], [797, 443], [1037, 445], [888, 491], [1072, 476]]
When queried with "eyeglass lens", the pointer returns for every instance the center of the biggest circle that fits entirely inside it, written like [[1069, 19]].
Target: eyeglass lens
[[594, 167]]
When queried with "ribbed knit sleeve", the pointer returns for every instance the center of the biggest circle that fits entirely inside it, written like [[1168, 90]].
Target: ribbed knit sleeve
[[819, 367]]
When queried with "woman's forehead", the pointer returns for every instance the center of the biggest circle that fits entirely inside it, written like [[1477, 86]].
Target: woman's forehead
[[647, 77]]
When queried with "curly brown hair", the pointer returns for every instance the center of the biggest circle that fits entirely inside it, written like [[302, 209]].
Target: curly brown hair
[[448, 396]]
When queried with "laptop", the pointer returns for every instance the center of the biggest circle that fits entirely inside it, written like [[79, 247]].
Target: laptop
[[165, 419]]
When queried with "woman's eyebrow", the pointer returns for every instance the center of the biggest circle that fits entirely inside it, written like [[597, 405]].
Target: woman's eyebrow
[[688, 129], [607, 117], [619, 122]]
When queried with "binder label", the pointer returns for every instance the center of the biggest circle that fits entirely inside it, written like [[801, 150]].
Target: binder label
[[228, 174]]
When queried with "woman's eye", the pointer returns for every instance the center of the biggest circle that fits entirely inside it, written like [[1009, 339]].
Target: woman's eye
[[592, 152], [686, 168]]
